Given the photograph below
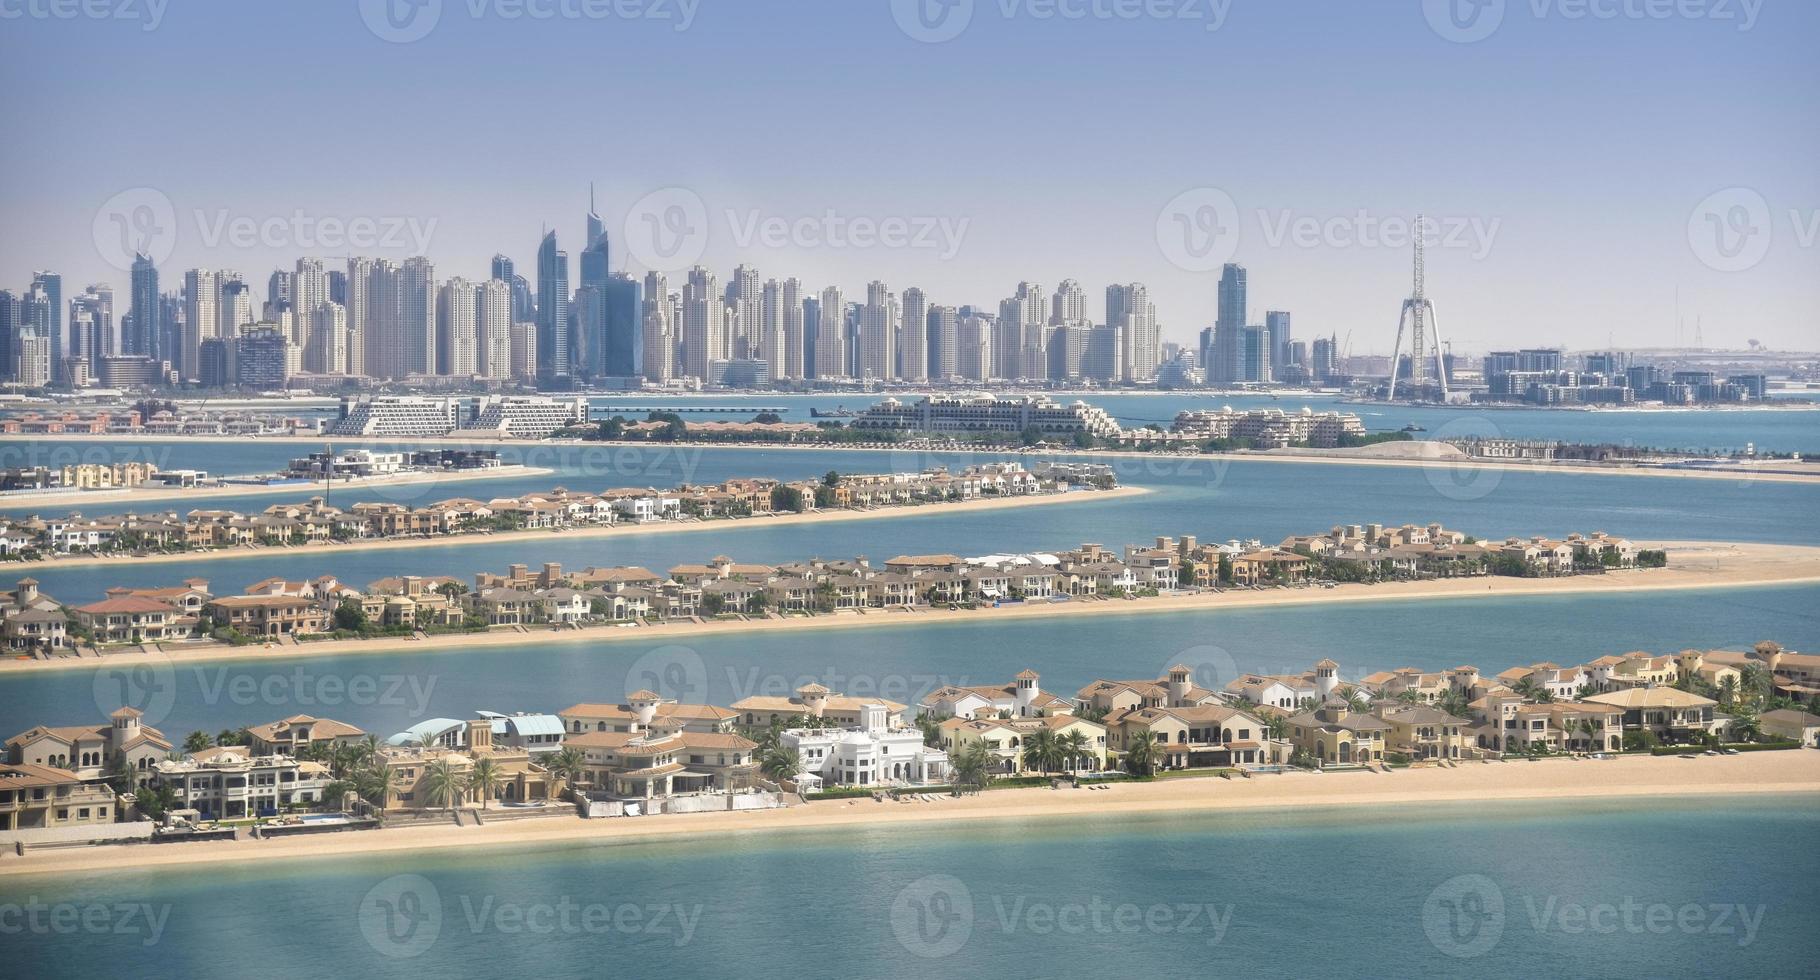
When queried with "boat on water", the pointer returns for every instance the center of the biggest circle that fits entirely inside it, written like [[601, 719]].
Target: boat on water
[[1412, 427]]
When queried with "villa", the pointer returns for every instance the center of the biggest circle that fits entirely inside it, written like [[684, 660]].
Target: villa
[[646, 765], [230, 782], [34, 796], [813, 701], [872, 753], [1197, 736], [1022, 698], [1334, 734], [1176, 689], [293, 735], [88, 750], [647, 711], [1663, 711]]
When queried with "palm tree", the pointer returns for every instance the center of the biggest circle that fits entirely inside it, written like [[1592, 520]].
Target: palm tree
[[1753, 678], [376, 782], [932, 728], [779, 763], [1140, 754], [1040, 751], [335, 794], [1074, 744], [1728, 689], [973, 767], [1746, 726], [567, 764], [485, 778], [1355, 699], [1276, 726], [443, 784]]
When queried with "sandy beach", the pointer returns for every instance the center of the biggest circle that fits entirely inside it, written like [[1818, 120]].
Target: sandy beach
[[611, 531], [1767, 471], [158, 494], [1692, 565], [1637, 777]]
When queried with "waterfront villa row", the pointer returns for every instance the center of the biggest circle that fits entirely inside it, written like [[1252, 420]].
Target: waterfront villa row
[[315, 521], [276, 608], [648, 753]]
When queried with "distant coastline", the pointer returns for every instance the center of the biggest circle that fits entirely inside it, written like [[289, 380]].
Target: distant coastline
[[583, 532], [1692, 566], [152, 493]]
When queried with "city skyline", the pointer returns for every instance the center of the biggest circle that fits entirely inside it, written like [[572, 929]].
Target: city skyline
[[1594, 238]]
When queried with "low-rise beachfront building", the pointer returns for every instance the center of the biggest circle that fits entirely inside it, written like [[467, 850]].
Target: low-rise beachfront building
[[812, 701], [1422, 732], [1175, 689], [34, 796], [647, 711], [88, 750], [1671, 714], [413, 782], [1005, 741], [1269, 566], [537, 735], [1334, 734], [1288, 691], [229, 782], [299, 734], [872, 753], [267, 615], [1635, 669], [1197, 736], [1022, 698], [129, 619], [647, 765], [1798, 726]]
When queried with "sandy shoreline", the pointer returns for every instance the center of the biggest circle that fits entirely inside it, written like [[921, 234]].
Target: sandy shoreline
[[1692, 565], [154, 494], [1739, 474], [612, 531], [1628, 778]]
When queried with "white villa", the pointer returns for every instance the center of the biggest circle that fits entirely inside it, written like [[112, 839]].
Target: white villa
[[876, 753]]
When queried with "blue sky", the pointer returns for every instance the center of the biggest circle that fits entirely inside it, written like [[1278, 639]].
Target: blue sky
[[1571, 160]]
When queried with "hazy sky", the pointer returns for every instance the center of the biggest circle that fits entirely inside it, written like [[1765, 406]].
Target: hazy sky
[[1571, 152]]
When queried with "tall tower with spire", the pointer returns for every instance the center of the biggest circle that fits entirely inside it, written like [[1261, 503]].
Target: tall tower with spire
[[1419, 313]]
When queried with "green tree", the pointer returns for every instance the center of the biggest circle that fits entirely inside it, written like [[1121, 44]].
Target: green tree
[[196, 742], [1041, 752], [779, 763], [444, 784], [568, 765], [973, 766], [1140, 754], [349, 616], [485, 779]]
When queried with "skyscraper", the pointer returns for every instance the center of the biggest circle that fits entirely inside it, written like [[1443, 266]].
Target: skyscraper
[[622, 345], [362, 292], [235, 308], [1276, 323], [52, 284], [553, 368], [457, 343], [771, 328], [493, 329], [591, 317], [309, 289], [942, 328], [1132, 317], [831, 335], [1224, 360], [794, 328], [703, 324], [417, 315], [142, 337], [9, 330], [201, 296], [659, 330], [327, 351], [913, 337], [877, 352]]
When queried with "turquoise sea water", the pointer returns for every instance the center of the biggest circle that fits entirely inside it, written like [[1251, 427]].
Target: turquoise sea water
[[1585, 888]]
